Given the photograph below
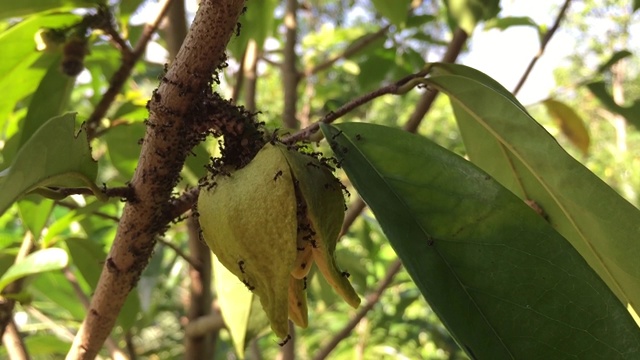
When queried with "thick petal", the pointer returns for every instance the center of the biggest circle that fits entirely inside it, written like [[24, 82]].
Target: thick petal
[[249, 221], [298, 302]]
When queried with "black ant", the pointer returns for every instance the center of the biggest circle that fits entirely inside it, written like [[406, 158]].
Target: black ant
[[346, 274], [285, 340], [278, 174], [241, 266]]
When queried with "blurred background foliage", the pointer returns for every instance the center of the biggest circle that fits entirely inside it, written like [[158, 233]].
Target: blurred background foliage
[[382, 43]]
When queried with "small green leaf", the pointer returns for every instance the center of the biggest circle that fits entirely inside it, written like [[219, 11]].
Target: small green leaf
[[466, 14], [34, 213], [570, 123], [631, 113], [501, 279], [123, 147], [53, 156], [510, 21], [395, 11], [36, 262], [235, 305]]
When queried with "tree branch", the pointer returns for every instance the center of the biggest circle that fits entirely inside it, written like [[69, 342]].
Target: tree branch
[[174, 115], [13, 343], [348, 52], [543, 44], [372, 300], [123, 73], [290, 76]]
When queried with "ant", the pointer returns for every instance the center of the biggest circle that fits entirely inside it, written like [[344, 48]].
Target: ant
[[278, 174]]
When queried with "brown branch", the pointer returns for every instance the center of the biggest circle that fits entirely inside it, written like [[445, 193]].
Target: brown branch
[[349, 51], [13, 343], [250, 70], [123, 73], [112, 346], [6, 303], [212, 322], [199, 347], [184, 203], [290, 78], [372, 300], [398, 87], [543, 44], [181, 254], [174, 28], [170, 135], [425, 102]]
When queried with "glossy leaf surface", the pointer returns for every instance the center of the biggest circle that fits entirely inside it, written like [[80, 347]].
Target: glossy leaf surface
[[502, 280], [502, 139]]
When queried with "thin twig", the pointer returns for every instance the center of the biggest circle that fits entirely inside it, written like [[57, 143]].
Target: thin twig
[[123, 192], [396, 88], [290, 78], [372, 300], [543, 44], [348, 52], [124, 72], [179, 252]]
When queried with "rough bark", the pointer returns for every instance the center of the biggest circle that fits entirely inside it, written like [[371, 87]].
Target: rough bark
[[175, 125]]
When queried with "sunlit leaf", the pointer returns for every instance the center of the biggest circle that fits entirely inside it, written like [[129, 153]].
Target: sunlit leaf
[[23, 67], [505, 141], [395, 11], [49, 100], [34, 263], [53, 156], [570, 123], [502, 280], [27, 7], [235, 301], [510, 21], [466, 14]]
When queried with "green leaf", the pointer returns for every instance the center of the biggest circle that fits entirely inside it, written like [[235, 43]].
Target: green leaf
[[631, 113], [507, 22], [36, 262], [23, 67], [87, 257], [34, 213], [570, 123], [53, 156], [49, 100], [617, 56], [235, 302], [123, 147], [28, 7], [395, 11], [636, 5], [502, 280], [466, 14], [506, 142], [254, 25]]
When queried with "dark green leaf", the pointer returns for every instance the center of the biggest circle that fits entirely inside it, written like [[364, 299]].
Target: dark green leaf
[[617, 56], [502, 280], [53, 156], [36, 262], [124, 148], [631, 113], [505, 141]]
